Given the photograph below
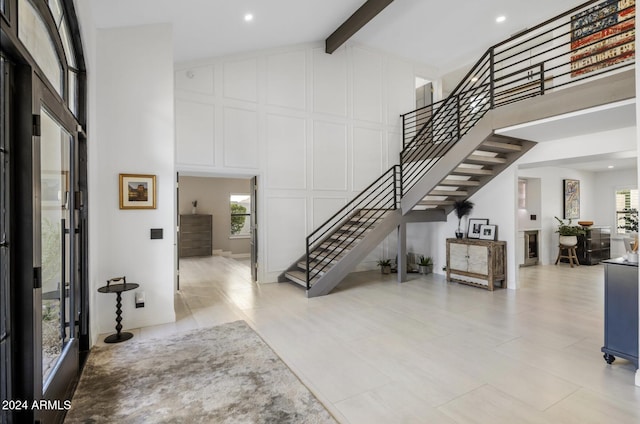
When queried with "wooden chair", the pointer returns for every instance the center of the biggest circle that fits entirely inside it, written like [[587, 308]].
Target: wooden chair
[[571, 255]]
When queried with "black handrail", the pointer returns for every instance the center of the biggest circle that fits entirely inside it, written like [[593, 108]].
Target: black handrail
[[528, 64], [380, 197]]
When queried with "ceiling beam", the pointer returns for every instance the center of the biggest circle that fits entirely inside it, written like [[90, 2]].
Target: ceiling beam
[[360, 18]]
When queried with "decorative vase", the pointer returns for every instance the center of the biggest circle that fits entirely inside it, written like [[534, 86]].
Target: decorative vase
[[193, 210], [459, 233], [568, 240]]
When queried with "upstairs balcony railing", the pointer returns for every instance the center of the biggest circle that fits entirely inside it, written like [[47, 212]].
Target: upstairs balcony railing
[[584, 43]]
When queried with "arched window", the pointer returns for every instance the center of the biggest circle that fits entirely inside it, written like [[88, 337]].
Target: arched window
[[53, 51]]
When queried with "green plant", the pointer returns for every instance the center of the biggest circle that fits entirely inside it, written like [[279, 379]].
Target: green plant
[[237, 219], [566, 229], [630, 218], [425, 261], [384, 262]]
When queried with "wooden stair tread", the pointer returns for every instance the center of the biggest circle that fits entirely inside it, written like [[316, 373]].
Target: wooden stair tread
[[461, 170], [435, 202], [449, 193], [480, 159], [499, 147], [460, 183], [298, 277]]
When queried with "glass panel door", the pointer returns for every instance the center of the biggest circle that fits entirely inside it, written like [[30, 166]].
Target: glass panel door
[[55, 170]]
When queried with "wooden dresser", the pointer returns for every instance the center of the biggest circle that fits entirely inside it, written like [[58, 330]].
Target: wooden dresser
[[479, 263], [195, 235]]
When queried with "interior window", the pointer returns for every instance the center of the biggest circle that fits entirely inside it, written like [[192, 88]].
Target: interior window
[[240, 215], [626, 211]]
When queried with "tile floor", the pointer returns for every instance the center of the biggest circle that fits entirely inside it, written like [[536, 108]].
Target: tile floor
[[426, 351]]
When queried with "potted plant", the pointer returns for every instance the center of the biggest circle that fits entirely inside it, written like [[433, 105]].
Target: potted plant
[[385, 266], [568, 233], [630, 218], [462, 209], [425, 265]]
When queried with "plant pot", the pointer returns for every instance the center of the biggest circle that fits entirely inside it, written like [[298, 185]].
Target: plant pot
[[194, 211], [459, 234], [425, 269], [568, 240], [385, 269]]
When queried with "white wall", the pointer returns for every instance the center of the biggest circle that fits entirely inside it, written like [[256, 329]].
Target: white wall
[[315, 128], [552, 203], [133, 132]]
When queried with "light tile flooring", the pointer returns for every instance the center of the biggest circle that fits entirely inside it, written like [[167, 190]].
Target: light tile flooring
[[426, 351]]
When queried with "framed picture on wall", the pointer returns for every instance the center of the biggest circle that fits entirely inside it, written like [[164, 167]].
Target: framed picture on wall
[[474, 227], [488, 232], [137, 191], [571, 199]]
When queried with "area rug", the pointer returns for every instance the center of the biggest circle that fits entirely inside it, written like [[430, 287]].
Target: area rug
[[223, 374]]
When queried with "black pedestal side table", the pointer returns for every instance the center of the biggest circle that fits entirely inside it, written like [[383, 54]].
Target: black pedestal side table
[[120, 336]]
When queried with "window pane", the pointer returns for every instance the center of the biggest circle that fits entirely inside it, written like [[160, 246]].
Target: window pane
[[240, 215], [67, 45], [626, 210], [32, 31], [72, 101], [56, 11]]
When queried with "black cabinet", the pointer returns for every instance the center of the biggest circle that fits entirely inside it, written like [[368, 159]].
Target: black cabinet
[[594, 246], [195, 235], [620, 310]]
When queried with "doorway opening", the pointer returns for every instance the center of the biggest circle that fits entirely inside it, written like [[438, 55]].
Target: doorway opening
[[217, 216]]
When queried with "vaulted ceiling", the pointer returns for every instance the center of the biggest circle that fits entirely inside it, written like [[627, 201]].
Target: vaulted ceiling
[[444, 35], [441, 34]]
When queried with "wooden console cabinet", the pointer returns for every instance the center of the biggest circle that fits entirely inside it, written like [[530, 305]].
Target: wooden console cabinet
[[195, 235], [479, 263], [620, 310], [594, 245]]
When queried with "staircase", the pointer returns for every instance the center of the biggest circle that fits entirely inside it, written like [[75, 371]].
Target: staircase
[[451, 149]]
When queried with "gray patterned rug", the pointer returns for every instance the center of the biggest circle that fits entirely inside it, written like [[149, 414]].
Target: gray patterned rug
[[223, 374]]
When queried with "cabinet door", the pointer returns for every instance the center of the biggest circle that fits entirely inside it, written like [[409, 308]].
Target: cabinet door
[[458, 256], [478, 262]]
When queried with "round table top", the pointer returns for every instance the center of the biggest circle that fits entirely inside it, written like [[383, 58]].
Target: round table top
[[118, 288]]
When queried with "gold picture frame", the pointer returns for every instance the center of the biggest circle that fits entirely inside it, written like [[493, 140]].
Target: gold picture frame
[[137, 191]]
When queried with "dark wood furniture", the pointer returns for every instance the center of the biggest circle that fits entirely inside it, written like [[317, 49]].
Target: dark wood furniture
[[620, 310], [594, 246], [118, 288], [195, 235], [479, 263]]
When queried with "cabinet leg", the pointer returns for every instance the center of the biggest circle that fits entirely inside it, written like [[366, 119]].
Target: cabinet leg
[[609, 358]]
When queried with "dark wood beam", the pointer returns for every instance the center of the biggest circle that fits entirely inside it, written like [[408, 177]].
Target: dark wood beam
[[360, 18]]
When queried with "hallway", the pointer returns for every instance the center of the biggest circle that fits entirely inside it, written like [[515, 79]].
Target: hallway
[[426, 351]]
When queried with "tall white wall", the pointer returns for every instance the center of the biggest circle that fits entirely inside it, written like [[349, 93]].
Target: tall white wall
[[552, 203], [133, 132], [315, 128]]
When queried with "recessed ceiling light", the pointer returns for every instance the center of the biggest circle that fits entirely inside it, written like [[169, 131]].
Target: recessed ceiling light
[[610, 167], [248, 17], [501, 19], [474, 79]]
